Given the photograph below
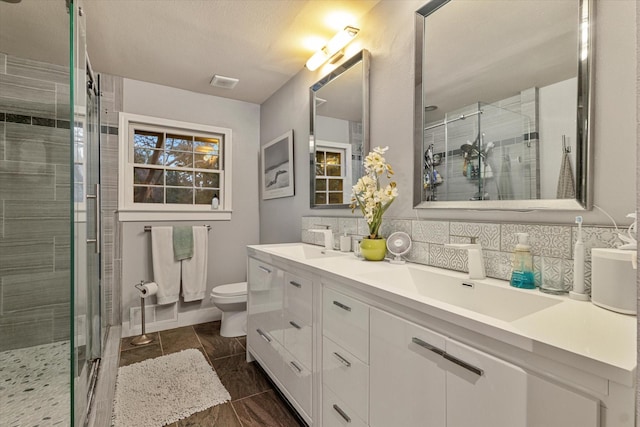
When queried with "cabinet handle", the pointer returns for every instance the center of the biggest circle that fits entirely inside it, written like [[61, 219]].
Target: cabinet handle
[[344, 361], [263, 335], [464, 364], [296, 284], [342, 306], [342, 413], [295, 365], [294, 324], [428, 346], [265, 269]]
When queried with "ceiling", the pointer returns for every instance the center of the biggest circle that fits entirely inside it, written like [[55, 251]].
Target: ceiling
[[183, 43]]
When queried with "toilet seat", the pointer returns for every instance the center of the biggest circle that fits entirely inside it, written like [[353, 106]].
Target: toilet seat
[[230, 290]]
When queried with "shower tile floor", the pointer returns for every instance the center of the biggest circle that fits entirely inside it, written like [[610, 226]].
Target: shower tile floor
[[34, 386]]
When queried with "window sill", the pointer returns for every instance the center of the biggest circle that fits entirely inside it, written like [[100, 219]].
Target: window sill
[[141, 215]]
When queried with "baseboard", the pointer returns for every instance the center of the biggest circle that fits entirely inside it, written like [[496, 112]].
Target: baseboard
[[188, 318]]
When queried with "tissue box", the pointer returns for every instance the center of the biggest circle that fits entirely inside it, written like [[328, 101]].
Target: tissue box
[[613, 279]]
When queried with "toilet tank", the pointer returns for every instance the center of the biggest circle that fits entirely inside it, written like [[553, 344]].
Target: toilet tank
[[613, 279]]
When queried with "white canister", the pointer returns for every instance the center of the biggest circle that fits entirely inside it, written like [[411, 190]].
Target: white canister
[[613, 279]]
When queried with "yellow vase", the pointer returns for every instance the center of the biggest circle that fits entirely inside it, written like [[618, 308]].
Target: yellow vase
[[373, 249]]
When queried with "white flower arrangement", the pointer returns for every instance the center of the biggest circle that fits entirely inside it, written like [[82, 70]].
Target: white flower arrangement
[[368, 194]]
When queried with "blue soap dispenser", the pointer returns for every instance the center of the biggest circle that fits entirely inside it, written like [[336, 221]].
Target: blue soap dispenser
[[522, 266]]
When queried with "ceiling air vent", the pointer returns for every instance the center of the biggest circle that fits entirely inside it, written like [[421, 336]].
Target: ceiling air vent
[[224, 82]]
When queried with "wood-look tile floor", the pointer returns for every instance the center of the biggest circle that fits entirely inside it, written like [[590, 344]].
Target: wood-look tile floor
[[254, 402]]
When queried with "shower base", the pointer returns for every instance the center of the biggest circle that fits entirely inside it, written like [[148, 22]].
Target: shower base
[[34, 386]]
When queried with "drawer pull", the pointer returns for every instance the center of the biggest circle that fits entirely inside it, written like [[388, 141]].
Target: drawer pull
[[263, 335], [265, 269], [296, 367], [428, 346], [294, 324], [342, 306], [342, 413], [342, 360], [294, 283], [464, 364]]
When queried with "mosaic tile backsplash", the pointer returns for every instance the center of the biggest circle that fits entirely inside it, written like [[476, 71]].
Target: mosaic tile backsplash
[[551, 245]]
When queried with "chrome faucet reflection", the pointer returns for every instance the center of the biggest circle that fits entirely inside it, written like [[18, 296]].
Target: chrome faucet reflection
[[476, 260]]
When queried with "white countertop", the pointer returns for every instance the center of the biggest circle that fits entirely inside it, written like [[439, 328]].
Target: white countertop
[[578, 333]]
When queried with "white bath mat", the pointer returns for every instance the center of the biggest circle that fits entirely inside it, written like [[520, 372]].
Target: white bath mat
[[160, 391]]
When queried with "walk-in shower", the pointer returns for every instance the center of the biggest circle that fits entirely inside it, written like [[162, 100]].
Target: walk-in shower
[[51, 326]]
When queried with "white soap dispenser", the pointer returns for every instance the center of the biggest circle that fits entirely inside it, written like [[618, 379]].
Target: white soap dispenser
[[215, 203]]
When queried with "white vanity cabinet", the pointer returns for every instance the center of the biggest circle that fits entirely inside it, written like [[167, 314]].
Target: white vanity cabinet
[[279, 329], [422, 378]]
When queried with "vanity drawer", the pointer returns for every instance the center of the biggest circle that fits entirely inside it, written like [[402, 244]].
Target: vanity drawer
[[346, 321], [296, 378], [297, 338], [336, 413], [266, 349], [347, 375], [298, 296]]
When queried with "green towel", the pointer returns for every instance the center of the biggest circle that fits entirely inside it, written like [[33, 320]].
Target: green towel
[[182, 242]]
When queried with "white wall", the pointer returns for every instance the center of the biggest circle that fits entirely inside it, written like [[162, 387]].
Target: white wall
[[387, 32], [227, 239]]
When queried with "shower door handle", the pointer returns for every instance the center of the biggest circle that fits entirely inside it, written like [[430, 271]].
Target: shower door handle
[[96, 197]]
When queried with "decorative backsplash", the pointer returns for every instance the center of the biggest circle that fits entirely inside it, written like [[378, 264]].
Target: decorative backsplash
[[551, 243]]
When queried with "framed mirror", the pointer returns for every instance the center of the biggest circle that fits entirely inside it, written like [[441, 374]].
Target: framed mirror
[[503, 107], [339, 131]]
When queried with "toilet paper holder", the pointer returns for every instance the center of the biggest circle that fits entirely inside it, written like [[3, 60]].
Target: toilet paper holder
[[143, 338]]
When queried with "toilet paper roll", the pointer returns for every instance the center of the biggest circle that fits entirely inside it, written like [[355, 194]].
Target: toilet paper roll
[[148, 289]]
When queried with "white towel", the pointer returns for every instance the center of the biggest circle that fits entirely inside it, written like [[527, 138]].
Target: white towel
[[194, 269], [166, 270]]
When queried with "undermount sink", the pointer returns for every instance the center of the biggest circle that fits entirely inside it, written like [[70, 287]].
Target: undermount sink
[[303, 251], [493, 300]]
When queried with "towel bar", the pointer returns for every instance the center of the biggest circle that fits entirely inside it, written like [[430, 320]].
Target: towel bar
[[148, 227]]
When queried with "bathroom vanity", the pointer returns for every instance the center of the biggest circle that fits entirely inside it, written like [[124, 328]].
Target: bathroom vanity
[[351, 342]]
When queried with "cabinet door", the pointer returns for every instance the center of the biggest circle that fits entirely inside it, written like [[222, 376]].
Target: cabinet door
[[264, 304], [406, 374], [482, 390], [298, 296]]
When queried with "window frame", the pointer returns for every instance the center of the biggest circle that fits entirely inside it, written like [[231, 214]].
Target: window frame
[[128, 210], [345, 149]]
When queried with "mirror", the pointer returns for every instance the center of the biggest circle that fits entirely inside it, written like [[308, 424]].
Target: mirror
[[502, 105], [339, 131]]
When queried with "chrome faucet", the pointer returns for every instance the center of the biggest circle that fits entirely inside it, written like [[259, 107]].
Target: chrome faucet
[[328, 235], [476, 260]]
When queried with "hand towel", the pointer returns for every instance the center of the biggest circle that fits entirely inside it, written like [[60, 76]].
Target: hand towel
[[194, 269], [505, 189], [166, 270], [182, 242], [566, 187]]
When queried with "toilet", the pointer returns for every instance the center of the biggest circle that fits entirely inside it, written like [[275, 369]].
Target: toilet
[[231, 299]]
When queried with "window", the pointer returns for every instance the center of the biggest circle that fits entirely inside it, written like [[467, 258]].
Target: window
[[173, 170], [333, 173]]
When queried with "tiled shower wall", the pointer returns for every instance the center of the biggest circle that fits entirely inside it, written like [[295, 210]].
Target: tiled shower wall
[[34, 203], [554, 243]]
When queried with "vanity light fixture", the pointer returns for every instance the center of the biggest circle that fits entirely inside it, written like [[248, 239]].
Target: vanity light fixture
[[332, 47]]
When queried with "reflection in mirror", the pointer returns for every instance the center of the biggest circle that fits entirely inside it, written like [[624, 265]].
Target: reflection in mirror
[[339, 131], [502, 107]]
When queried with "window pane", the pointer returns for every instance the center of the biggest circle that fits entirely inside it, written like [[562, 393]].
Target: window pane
[[319, 169], [335, 185], [145, 139], [335, 198], [333, 170], [148, 176], [179, 143], [181, 196], [321, 199], [321, 184], [179, 159], [205, 161], [203, 197], [147, 156], [211, 180], [148, 195], [180, 178], [334, 158]]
